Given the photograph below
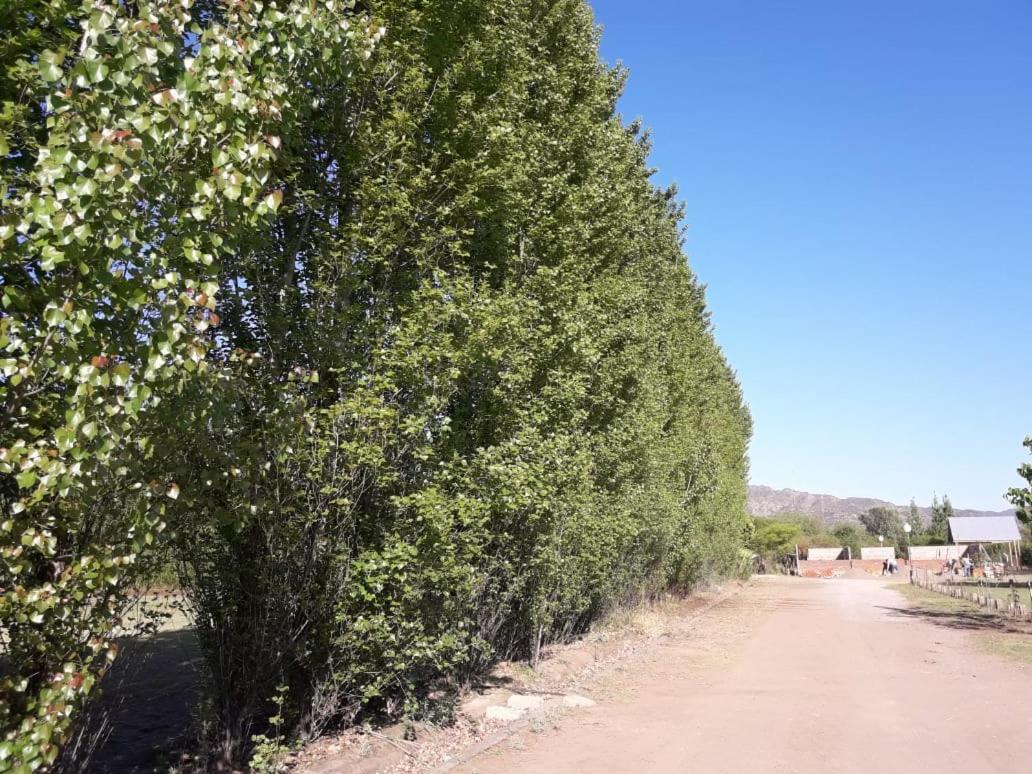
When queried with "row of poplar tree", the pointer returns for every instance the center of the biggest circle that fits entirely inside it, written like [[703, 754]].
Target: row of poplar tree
[[368, 319]]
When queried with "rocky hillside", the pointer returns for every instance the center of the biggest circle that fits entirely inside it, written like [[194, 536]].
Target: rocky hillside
[[766, 501]]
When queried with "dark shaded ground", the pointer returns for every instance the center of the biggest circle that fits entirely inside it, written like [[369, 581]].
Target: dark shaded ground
[[149, 703]]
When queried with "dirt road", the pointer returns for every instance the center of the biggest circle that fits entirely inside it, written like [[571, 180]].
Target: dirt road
[[799, 676]]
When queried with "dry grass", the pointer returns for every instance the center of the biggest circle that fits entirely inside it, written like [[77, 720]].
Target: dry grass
[[647, 621], [657, 618]]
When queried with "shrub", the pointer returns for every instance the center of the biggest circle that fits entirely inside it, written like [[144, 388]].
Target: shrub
[[137, 143]]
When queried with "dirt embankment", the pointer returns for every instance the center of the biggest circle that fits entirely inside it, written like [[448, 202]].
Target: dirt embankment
[[571, 679]]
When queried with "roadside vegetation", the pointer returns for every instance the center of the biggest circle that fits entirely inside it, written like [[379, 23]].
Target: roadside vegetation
[[364, 318]]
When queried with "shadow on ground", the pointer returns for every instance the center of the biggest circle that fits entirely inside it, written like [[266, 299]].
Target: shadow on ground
[[489, 682], [967, 620], [148, 705]]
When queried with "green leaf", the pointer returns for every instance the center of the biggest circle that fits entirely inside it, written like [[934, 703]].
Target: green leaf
[[96, 70], [120, 374], [50, 66]]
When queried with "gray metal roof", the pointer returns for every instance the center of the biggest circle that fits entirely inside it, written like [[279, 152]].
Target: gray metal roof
[[984, 529]]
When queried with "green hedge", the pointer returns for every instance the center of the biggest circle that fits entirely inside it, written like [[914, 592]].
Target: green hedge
[[462, 393]]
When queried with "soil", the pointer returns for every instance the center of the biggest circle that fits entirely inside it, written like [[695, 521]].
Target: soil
[[783, 675], [796, 675], [567, 674]]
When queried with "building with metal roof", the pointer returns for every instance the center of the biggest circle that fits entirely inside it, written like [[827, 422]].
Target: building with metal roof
[[978, 530], [984, 529]]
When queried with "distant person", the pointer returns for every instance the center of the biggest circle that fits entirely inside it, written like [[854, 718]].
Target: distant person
[[884, 566]]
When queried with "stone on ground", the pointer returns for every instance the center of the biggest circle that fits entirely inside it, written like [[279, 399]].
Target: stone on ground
[[522, 702], [573, 700], [503, 713]]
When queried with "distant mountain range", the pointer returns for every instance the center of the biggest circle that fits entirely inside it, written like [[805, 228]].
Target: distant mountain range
[[766, 501]]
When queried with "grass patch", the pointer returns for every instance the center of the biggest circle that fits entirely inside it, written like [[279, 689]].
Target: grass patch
[[1002, 593], [933, 601], [1016, 647], [992, 633]]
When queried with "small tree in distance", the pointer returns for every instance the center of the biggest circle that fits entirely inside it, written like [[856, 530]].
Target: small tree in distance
[[942, 512], [1021, 497], [884, 521], [915, 517], [850, 535]]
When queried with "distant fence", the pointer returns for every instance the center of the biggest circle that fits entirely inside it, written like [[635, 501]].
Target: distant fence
[[1017, 601], [876, 552]]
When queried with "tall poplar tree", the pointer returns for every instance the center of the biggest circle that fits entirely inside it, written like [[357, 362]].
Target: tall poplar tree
[[942, 512]]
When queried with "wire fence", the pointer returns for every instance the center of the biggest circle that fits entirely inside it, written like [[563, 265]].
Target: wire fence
[[1010, 596]]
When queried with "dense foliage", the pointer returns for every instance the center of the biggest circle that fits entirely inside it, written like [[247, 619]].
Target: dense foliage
[[414, 370], [137, 142], [884, 522]]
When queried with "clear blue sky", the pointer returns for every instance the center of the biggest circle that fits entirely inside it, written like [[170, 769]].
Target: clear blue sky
[[858, 179]]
